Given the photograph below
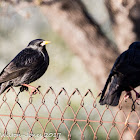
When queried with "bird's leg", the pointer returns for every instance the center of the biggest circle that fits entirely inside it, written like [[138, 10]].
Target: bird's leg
[[137, 94], [128, 95], [34, 89]]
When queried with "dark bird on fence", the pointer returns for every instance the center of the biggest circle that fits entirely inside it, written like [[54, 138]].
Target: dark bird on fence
[[29, 65], [124, 76]]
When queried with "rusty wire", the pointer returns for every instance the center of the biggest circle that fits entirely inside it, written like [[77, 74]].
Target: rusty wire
[[65, 115]]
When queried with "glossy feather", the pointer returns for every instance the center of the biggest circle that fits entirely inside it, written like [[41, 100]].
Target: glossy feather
[[29, 65], [124, 74]]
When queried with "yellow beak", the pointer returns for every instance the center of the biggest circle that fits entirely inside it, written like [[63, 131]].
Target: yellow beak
[[45, 43]]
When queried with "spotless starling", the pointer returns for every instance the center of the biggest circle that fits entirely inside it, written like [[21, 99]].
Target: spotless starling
[[29, 65], [124, 76]]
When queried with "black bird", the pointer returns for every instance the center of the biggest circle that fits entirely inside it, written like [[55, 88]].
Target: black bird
[[124, 76], [29, 65]]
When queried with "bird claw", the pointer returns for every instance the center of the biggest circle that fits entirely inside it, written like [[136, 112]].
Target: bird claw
[[35, 90], [128, 95], [22, 88]]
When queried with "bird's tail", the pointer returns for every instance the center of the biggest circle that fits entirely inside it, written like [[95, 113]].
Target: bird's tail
[[105, 87], [113, 95], [111, 98], [4, 86], [0, 88]]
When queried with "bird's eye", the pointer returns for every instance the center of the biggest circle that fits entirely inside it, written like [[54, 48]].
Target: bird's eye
[[40, 44]]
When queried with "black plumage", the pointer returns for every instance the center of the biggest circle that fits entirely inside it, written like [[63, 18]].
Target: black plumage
[[29, 65], [124, 76]]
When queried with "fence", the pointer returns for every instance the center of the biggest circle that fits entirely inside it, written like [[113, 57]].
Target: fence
[[63, 115]]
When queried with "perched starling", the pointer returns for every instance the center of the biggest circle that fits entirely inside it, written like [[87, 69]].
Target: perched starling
[[29, 65], [124, 76]]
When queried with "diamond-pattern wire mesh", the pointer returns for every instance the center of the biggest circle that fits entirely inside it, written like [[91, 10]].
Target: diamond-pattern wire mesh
[[63, 115]]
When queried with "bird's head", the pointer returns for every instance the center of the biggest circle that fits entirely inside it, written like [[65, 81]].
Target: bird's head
[[38, 44], [135, 45]]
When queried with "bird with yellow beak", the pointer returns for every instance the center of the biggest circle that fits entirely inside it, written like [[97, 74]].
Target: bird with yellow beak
[[29, 65]]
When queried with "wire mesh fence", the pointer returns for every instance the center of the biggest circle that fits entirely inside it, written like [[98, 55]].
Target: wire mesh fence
[[63, 115]]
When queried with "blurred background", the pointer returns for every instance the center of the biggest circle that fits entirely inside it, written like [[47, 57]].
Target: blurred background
[[86, 37]]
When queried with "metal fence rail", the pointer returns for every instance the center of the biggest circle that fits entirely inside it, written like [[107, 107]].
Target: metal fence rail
[[63, 115]]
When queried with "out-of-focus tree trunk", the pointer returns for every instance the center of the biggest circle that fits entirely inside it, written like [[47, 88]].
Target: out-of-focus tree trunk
[[71, 20], [122, 25], [134, 15]]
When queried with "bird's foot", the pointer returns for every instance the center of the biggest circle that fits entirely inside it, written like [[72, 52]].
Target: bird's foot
[[128, 95], [137, 96], [22, 88], [34, 89]]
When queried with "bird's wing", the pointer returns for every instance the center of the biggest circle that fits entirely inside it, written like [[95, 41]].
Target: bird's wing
[[127, 63], [19, 65], [10, 72]]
